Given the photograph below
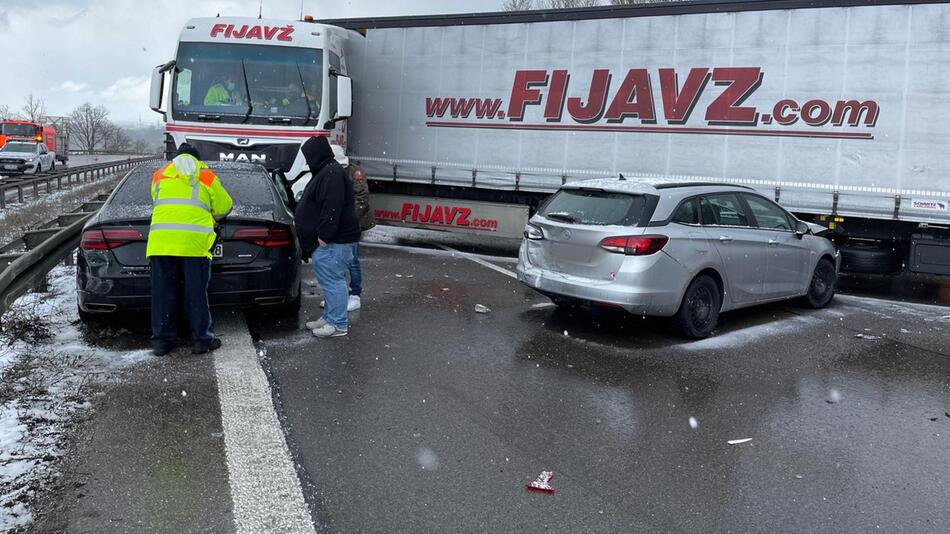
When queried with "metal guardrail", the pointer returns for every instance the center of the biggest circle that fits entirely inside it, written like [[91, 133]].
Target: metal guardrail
[[84, 173], [29, 258]]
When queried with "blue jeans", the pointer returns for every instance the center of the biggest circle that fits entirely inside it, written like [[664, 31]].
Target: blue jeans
[[356, 273], [169, 274], [330, 263]]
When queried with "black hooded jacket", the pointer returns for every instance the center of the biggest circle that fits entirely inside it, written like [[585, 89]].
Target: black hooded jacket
[[327, 209]]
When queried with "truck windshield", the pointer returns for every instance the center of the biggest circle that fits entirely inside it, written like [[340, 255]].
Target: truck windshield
[[254, 84], [18, 130]]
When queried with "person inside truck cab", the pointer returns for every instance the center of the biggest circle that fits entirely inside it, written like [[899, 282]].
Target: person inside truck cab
[[224, 93], [295, 100]]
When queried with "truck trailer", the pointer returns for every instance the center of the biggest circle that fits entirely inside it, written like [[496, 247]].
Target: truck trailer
[[468, 122], [834, 109]]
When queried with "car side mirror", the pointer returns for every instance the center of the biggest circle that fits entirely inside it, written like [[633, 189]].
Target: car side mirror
[[800, 229]]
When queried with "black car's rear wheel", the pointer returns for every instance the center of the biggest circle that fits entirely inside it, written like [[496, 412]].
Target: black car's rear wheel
[[822, 287], [698, 314]]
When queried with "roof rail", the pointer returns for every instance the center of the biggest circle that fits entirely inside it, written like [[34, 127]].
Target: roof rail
[[701, 184]]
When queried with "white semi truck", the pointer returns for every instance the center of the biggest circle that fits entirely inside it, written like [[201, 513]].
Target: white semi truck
[[467, 122]]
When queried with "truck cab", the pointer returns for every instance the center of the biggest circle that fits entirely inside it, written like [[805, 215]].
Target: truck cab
[[254, 90]]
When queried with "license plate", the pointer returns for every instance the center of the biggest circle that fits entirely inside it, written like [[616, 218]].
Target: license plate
[[218, 250], [10, 167]]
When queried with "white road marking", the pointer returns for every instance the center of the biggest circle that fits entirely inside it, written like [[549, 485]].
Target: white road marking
[[265, 491], [481, 262]]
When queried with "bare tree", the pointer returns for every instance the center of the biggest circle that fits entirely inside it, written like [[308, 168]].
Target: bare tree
[[5, 113], [518, 5], [34, 108], [139, 147], [88, 126], [115, 140]]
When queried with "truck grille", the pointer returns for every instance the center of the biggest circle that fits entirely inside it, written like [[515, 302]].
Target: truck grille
[[274, 157]]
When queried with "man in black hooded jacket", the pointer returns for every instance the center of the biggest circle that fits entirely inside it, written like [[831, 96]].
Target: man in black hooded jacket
[[328, 229]]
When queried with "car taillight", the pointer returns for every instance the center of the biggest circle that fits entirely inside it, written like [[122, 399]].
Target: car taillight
[[109, 238], [264, 237], [634, 245], [533, 232]]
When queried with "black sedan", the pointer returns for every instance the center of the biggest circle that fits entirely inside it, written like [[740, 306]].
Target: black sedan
[[256, 257]]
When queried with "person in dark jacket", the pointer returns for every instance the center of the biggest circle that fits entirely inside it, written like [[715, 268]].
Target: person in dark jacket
[[328, 230]]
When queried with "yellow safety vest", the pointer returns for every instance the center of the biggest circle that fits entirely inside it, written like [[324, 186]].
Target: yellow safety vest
[[184, 210]]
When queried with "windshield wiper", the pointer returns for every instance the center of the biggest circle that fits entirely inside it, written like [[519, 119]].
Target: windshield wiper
[[561, 216], [306, 97], [279, 120], [209, 118], [247, 91]]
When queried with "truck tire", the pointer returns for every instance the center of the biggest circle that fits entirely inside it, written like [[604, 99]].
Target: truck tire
[[698, 314], [822, 287], [871, 259]]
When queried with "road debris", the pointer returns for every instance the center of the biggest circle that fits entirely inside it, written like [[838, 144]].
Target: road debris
[[481, 308], [693, 423], [542, 483], [905, 331], [868, 337], [739, 441]]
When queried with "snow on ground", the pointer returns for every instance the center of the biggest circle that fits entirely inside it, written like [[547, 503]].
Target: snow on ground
[[43, 383]]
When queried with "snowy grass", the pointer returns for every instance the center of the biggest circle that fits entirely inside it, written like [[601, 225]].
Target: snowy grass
[[47, 372], [18, 218]]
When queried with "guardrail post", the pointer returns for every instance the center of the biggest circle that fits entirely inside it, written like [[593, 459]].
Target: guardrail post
[[47, 186], [42, 285], [19, 193], [3, 198]]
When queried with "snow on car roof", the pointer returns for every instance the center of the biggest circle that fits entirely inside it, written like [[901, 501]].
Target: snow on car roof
[[614, 185]]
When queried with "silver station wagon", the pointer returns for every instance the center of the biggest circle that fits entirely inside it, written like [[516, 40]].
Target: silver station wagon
[[686, 251]]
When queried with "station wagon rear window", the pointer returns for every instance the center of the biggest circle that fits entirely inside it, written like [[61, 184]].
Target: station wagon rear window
[[581, 206]]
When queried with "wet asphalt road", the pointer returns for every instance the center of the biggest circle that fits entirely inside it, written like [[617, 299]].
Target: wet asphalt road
[[430, 417]]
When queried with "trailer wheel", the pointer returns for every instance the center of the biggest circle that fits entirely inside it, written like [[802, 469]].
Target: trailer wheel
[[871, 258]]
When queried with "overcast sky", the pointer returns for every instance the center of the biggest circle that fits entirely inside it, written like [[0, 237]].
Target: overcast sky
[[102, 51]]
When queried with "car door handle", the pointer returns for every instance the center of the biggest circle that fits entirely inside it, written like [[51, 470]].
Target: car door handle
[[725, 239], [772, 242]]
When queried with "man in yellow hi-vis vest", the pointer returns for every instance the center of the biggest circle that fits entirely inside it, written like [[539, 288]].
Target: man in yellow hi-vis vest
[[187, 200]]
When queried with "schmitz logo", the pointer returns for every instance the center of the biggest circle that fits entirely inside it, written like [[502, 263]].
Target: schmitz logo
[[930, 205], [606, 109], [246, 31]]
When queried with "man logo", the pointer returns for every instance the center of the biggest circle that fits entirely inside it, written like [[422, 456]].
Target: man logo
[[243, 141], [252, 158]]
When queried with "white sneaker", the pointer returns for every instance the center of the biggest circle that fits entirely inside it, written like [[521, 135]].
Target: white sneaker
[[328, 330], [313, 325], [352, 303]]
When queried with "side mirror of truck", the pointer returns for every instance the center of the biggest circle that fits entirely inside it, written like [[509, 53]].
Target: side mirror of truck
[[157, 90], [800, 229], [155, 93], [344, 98]]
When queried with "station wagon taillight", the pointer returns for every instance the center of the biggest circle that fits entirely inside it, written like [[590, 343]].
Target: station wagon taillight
[[109, 238], [264, 237], [634, 245]]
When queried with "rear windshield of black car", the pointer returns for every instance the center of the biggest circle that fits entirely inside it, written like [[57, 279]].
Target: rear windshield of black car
[[580, 206], [251, 191]]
